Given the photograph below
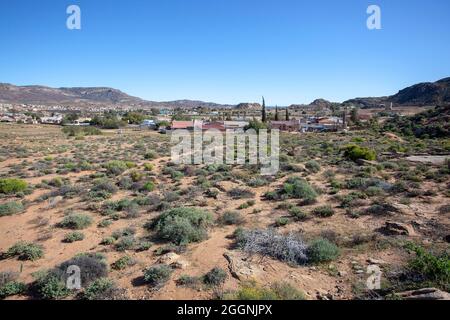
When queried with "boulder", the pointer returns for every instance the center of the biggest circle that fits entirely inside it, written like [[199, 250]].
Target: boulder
[[168, 258], [425, 294], [241, 269]]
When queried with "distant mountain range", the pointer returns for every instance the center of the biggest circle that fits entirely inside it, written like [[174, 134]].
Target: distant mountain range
[[422, 94]]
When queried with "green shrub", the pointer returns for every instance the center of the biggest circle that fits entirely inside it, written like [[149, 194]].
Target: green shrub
[[355, 152], [148, 166], [215, 277], [298, 213], [101, 289], [324, 211], [321, 250], [312, 166], [115, 167], [148, 186], [157, 275], [73, 237], [183, 225], [122, 263], [300, 189], [150, 155], [125, 243], [278, 291], [230, 218], [10, 208], [431, 266], [12, 288], [50, 286], [25, 251], [10, 186], [93, 266], [238, 193], [188, 281], [281, 221], [76, 221]]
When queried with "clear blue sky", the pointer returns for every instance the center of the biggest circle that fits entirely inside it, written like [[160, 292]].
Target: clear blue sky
[[227, 51]]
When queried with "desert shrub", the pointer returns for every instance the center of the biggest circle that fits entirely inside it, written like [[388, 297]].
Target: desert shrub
[[239, 193], [136, 176], [374, 191], [150, 155], [123, 233], [182, 225], [230, 218], [355, 152], [12, 288], [10, 208], [122, 263], [324, 211], [322, 250], [215, 277], [75, 221], [148, 166], [433, 267], [107, 241], [278, 291], [73, 236], [73, 131], [188, 281], [105, 223], [100, 289], [148, 186], [50, 286], [288, 248], [92, 267], [299, 189], [104, 185], [281, 221], [125, 183], [125, 243], [25, 251], [298, 213], [10, 186], [157, 275], [312, 166], [115, 167]]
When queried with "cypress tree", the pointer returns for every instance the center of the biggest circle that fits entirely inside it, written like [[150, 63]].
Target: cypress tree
[[264, 117]]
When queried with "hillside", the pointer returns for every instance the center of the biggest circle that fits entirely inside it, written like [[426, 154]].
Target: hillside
[[432, 123], [78, 96], [422, 94]]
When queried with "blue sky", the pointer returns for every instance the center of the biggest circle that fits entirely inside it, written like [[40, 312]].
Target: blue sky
[[227, 51]]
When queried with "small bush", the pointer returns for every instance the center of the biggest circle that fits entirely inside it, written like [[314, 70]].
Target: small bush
[[238, 193], [188, 281], [312, 166], [73, 237], [230, 218], [122, 263], [215, 277], [10, 208], [281, 221], [25, 251], [76, 221], [148, 166], [322, 250], [157, 275], [300, 189], [355, 152], [12, 288], [50, 286], [148, 186], [115, 167], [103, 289], [92, 267], [150, 155], [126, 243], [324, 211], [182, 225], [431, 266], [288, 248], [10, 186], [278, 291]]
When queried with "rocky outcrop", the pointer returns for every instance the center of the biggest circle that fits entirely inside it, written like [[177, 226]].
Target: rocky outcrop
[[240, 268], [424, 294]]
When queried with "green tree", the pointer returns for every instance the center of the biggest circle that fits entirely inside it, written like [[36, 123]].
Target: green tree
[[264, 116]]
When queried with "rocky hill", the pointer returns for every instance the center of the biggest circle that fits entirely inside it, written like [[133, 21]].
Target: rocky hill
[[41, 95], [422, 94]]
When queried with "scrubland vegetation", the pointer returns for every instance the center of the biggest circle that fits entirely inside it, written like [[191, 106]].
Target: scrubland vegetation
[[140, 226]]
